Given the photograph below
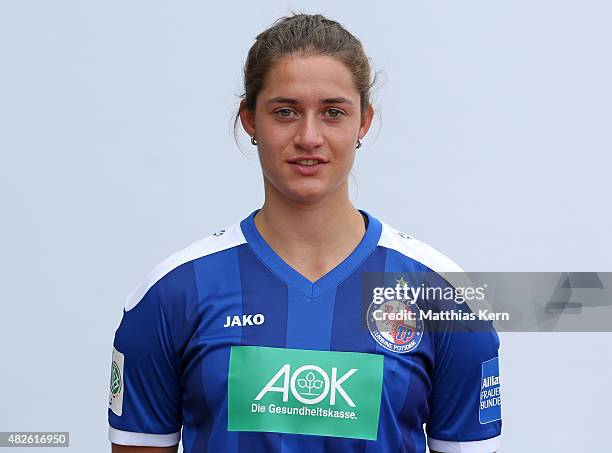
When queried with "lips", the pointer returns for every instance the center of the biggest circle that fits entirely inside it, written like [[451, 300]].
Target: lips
[[308, 160], [307, 165]]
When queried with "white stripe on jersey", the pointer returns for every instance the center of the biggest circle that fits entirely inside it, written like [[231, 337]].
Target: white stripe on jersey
[[119, 437], [417, 250], [430, 257], [224, 239], [476, 446]]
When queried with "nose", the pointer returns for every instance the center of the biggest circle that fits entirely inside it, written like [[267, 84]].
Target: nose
[[309, 135]]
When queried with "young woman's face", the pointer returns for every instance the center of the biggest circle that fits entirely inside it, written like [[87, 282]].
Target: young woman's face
[[307, 121]]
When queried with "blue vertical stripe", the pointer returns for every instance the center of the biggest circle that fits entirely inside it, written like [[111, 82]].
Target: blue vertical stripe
[[214, 361], [262, 293], [402, 422], [309, 321], [309, 326], [197, 416], [350, 333]]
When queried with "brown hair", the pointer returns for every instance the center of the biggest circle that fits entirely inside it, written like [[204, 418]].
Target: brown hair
[[304, 34]]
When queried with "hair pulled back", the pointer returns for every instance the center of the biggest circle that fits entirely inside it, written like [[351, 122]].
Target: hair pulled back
[[305, 35]]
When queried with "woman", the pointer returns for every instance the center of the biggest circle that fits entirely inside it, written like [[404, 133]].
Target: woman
[[254, 339]]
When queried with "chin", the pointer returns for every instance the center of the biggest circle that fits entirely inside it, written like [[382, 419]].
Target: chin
[[306, 191], [306, 195]]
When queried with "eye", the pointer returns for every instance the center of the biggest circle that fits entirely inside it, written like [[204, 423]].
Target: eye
[[284, 113], [335, 113]]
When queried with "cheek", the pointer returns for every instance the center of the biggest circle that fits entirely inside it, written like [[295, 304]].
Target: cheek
[[349, 159], [345, 138], [265, 159], [345, 147], [268, 143], [270, 161], [272, 143]]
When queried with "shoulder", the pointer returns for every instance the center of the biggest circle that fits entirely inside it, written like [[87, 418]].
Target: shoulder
[[224, 239], [426, 255], [419, 251]]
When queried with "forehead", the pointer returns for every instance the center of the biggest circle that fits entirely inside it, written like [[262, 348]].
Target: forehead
[[305, 77]]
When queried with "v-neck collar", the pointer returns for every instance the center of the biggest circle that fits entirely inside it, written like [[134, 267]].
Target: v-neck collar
[[296, 280]]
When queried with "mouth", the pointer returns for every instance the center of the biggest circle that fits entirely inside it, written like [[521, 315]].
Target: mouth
[[307, 162], [308, 165]]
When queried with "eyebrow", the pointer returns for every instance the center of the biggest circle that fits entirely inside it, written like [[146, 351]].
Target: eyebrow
[[286, 100]]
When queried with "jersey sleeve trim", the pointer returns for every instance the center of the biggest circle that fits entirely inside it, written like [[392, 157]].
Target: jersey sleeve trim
[[477, 446], [224, 239], [119, 437]]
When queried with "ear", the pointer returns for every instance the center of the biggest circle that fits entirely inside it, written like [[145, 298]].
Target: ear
[[247, 118], [366, 121]]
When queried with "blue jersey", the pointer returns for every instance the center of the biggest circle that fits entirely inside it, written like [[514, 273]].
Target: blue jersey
[[230, 349]]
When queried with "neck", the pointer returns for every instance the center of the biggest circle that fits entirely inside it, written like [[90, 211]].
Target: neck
[[316, 223], [313, 238]]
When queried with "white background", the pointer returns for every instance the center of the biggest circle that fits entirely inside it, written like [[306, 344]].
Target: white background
[[492, 143]]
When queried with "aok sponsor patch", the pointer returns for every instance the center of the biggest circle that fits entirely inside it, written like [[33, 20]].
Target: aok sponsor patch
[[300, 391], [490, 397]]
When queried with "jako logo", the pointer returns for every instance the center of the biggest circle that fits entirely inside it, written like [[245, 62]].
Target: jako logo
[[309, 384], [244, 320]]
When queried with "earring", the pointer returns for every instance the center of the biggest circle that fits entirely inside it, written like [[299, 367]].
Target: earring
[[358, 144], [253, 141]]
